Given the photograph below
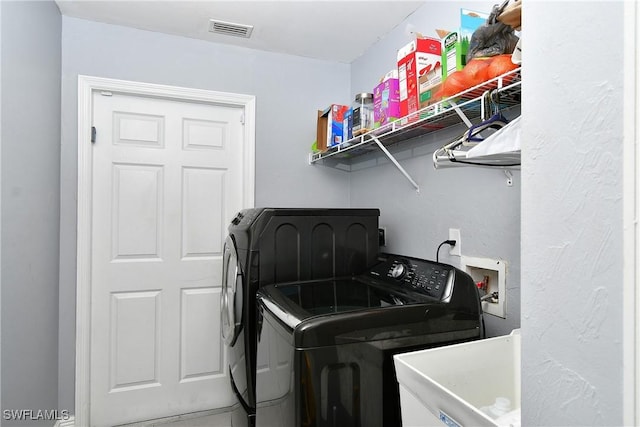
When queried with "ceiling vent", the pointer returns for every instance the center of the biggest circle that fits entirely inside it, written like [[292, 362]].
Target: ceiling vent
[[230, 28]]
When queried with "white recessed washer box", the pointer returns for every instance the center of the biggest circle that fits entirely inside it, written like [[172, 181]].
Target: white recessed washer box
[[493, 271]]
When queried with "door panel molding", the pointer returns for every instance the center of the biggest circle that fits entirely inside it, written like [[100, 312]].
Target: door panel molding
[[87, 86]]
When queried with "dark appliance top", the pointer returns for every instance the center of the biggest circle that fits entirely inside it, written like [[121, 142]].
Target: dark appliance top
[[397, 298]]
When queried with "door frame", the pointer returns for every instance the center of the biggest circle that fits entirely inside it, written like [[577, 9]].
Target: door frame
[[87, 85], [631, 212]]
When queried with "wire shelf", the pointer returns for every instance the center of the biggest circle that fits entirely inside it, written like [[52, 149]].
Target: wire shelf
[[466, 107]]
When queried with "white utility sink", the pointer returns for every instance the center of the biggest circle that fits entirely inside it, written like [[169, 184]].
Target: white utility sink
[[455, 385]]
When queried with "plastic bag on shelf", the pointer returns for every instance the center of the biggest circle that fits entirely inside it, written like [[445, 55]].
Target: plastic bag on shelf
[[493, 37]]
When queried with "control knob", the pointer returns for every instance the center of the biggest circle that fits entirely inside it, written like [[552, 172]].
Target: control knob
[[398, 271]]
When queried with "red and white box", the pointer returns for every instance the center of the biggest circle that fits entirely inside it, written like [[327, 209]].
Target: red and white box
[[414, 60]]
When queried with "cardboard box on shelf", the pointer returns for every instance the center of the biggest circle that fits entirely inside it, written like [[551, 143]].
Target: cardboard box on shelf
[[470, 21], [455, 44], [332, 126], [430, 84], [414, 60], [386, 100], [454, 53], [348, 125]]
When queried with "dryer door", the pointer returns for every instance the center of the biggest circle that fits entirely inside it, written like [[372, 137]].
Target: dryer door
[[231, 295]]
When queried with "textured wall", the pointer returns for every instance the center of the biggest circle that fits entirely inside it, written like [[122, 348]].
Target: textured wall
[[572, 214]]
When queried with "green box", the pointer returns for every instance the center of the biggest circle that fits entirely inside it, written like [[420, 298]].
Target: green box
[[456, 44], [454, 53]]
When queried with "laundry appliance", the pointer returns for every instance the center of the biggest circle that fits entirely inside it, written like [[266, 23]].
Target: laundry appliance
[[276, 245], [330, 343]]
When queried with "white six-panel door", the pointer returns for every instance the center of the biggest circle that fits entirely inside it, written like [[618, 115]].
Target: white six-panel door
[[166, 181]]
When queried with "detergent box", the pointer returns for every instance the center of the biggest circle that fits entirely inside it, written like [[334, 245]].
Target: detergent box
[[415, 59], [429, 85], [386, 100], [333, 126]]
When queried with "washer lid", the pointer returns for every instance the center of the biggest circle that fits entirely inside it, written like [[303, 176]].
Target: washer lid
[[342, 295], [349, 310], [331, 299]]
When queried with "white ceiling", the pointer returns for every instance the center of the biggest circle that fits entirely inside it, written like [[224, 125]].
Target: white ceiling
[[338, 31]]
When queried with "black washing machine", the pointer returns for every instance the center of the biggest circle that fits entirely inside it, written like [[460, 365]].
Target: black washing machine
[[276, 245], [330, 343]]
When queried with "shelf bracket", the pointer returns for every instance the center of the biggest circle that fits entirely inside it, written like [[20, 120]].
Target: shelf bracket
[[395, 162], [463, 117]]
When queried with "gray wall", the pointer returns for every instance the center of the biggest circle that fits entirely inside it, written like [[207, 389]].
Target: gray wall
[[30, 106], [288, 92], [572, 192], [475, 200]]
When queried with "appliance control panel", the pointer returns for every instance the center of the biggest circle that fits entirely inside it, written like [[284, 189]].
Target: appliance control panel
[[418, 275], [245, 217]]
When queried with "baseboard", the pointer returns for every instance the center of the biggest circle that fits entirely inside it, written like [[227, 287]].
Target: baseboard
[[69, 422], [177, 418]]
